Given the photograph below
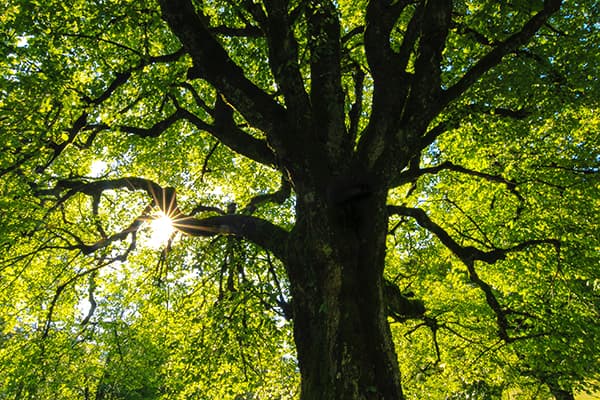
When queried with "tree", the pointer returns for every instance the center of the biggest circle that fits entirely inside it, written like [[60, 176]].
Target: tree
[[437, 164]]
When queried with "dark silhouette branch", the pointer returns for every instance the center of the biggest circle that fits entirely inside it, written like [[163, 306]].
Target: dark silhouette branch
[[326, 94], [245, 31], [469, 254], [91, 299], [80, 124], [426, 82], [59, 290], [519, 114], [158, 128], [212, 63], [283, 57], [67, 188], [472, 33], [465, 253], [380, 20], [257, 230], [401, 306], [411, 35], [359, 30], [431, 135], [412, 174], [122, 77], [227, 132], [277, 197], [384, 144], [494, 57], [224, 129], [205, 168], [357, 107]]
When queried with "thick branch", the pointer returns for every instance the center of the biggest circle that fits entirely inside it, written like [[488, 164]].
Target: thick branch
[[380, 17], [246, 31], [431, 135], [227, 132], [495, 56], [224, 129], [357, 108], [426, 82], [259, 231], [326, 94], [96, 188], [400, 306], [465, 253], [158, 128], [283, 57], [277, 197], [469, 254], [411, 34], [389, 92], [212, 63]]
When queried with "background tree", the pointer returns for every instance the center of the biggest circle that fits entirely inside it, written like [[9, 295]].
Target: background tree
[[347, 166]]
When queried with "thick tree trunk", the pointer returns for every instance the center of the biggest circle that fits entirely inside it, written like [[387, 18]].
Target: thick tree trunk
[[559, 393], [341, 331]]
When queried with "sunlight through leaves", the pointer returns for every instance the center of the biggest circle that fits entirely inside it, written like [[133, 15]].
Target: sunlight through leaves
[[162, 230]]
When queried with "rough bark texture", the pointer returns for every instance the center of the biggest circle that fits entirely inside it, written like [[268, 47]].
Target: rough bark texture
[[341, 331], [560, 394]]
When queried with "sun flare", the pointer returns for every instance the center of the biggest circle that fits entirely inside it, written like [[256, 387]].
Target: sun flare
[[161, 230]]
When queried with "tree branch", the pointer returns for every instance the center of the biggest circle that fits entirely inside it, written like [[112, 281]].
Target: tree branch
[[326, 94], [465, 253], [411, 34], [224, 129], [257, 230], [96, 188], [212, 63], [411, 175], [246, 31], [283, 57], [390, 88], [400, 306], [277, 197], [159, 127], [80, 123], [122, 77], [469, 254], [380, 20], [227, 132], [356, 110], [494, 57], [426, 82]]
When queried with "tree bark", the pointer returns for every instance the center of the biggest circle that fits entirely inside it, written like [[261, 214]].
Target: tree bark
[[558, 392], [335, 264]]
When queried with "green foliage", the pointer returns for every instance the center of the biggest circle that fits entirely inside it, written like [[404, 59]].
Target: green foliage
[[205, 318]]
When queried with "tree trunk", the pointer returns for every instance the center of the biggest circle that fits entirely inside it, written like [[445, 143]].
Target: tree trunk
[[336, 262], [559, 393]]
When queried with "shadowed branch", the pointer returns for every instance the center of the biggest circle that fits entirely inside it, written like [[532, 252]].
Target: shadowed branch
[[469, 254], [494, 57]]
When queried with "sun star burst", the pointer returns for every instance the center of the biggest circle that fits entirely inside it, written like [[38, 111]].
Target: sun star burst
[[162, 229]]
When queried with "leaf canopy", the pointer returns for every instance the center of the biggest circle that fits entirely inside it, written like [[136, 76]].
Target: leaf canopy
[[101, 108]]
